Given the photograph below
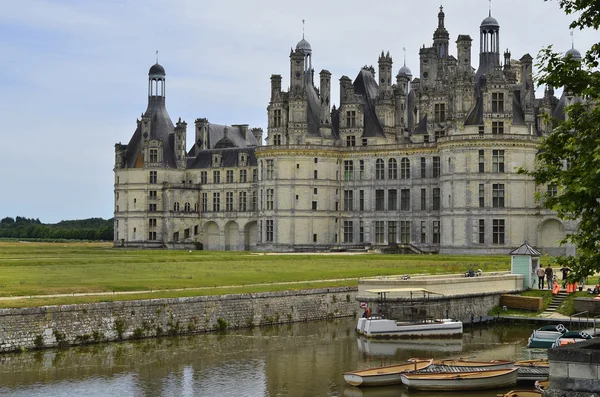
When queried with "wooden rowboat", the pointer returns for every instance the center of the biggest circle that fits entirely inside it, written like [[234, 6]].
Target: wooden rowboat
[[465, 363], [522, 393], [383, 376], [542, 362], [451, 381], [542, 385]]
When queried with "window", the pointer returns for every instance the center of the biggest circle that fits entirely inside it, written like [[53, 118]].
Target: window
[[440, 112], [425, 138], [153, 176], [379, 169], [497, 127], [423, 168], [204, 202], [365, 141], [436, 199], [277, 121], [351, 140], [498, 161], [351, 118], [270, 169], [242, 204], [315, 174], [481, 129], [270, 230], [216, 176], [481, 195], [405, 168], [196, 230], [436, 167], [392, 200], [186, 233], [152, 223], [481, 232], [348, 231], [379, 200], [405, 200], [481, 161], [392, 169], [348, 170], [498, 231], [379, 232], [552, 190], [187, 207], [423, 232], [255, 175], [423, 199], [348, 200], [392, 232], [361, 200], [405, 232], [154, 155], [195, 207], [361, 169], [270, 194], [151, 235], [361, 232], [203, 177], [176, 207], [438, 134], [314, 205], [436, 232], [498, 195], [315, 190], [243, 176], [316, 160], [229, 176], [255, 200], [229, 201], [276, 139], [314, 238], [497, 102], [216, 202], [152, 194]]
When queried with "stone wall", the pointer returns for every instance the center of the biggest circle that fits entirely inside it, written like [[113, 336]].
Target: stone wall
[[574, 370], [68, 325], [590, 305]]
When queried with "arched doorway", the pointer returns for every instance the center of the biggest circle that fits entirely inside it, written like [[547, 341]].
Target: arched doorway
[[211, 237], [232, 235], [250, 236], [551, 232]]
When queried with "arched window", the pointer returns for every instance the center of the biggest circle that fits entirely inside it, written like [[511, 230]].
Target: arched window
[[405, 168], [380, 169], [392, 169], [187, 207], [176, 207]]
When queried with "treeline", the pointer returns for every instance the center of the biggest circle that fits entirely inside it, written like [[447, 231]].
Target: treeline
[[81, 229]]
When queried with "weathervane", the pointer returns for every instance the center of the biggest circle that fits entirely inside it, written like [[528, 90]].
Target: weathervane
[[156, 56], [303, 29], [490, 7], [404, 49]]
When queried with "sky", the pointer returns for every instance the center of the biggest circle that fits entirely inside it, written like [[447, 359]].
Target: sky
[[75, 73]]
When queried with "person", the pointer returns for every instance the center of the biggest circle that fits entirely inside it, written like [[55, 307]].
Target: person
[[565, 272], [541, 273], [549, 275], [596, 289]]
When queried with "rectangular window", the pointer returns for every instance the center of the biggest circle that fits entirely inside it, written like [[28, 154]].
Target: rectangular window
[[203, 177], [154, 155], [152, 223], [423, 199], [315, 174], [379, 200], [481, 231], [498, 161], [242, 201], [379, 232], [216, 176], [270, 230], [497, 102], [361, 200], [440, 112], [277, 118], [426, 138], [392, 232], [348, 231], [229, 176], [436, 167], [314, 205], [481, 130], [405, 200], [277, 140], [152, 194], [243, 176], [152, 207], [481, 195], [152, 236], [361, 232], [392, 200], [351, 140], [270, 164], [351, 118], [393, 169], [552, 190], [255, 200], [497, 127], [423, 232], [153, 177], [216, 202], [196, 230], [379, 169], [186, 233], [498, 231], [255, 175], [405, 232], [423, 168], [204, 202], [436, 199], [361, 165], [315, 190], [348, 200], [348, 170], [270, 195], [481, 161], [365, 141], [439, 134], [498, 195], [314, 238], [435, 234], [229, 201]]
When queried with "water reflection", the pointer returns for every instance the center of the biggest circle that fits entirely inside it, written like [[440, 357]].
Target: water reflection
[[291, 360]]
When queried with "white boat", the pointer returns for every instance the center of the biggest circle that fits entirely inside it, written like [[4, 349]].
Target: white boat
[[571, 337], [383, 376], [463, 364], [453, 381], [546, 336], [388, 328]]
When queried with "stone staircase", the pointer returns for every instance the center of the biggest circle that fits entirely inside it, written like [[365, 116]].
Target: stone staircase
[[557, 300]]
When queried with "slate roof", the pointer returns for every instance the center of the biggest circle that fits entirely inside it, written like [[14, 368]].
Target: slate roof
[[366, 86], [525, 249], [314, 109], [216, 133], [229, 158]]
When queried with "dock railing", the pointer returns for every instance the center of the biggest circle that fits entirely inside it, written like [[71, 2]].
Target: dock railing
[[578, 316]]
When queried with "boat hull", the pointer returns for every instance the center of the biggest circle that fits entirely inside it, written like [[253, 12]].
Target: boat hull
[[385, 328], [461, 381], [384, 376]]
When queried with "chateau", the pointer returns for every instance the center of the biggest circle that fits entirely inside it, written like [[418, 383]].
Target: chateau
[[423, 163]]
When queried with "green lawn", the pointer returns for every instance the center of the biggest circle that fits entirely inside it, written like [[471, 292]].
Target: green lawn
[[66, 268]]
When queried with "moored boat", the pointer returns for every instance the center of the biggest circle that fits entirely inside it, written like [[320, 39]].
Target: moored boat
[[540, 362], [382, 376], [453, 381], [546, 336], [465, 364], [388, 328], [523, 393], [571, 337], [542, 385]]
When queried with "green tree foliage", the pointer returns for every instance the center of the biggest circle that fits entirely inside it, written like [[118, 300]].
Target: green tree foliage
[[570, 156], [83, 229]]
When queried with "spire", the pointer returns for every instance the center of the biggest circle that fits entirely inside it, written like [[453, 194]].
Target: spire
[[490, 8], [303, 29], [156, 56], [572, 40]]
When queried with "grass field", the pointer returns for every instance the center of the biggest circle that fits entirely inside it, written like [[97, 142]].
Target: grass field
[[69, 268]]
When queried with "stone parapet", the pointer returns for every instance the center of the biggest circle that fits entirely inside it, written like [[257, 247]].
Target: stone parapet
[[574, 370]]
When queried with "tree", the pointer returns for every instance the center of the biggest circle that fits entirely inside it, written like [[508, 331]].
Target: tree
[[569, 157]]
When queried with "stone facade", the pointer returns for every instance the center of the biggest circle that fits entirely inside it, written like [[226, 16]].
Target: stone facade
[[68, 325], [574, 370], [426, 164]]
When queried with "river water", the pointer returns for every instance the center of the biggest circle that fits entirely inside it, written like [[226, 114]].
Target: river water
[[306, 359]]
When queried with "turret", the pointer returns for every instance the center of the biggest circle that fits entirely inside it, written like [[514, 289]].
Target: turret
[[441, 37], [385, 71], [489, 50], [258, 135], [202, 134], [463, 50], [527, 87], [275, 87], [179, 143]]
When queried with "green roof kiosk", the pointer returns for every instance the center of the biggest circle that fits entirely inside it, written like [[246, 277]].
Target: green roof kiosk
[[525, 260]]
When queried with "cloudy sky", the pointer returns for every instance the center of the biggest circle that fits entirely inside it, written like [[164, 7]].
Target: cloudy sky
[[74, 72]]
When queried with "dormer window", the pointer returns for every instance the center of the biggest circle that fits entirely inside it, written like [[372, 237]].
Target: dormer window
[[497, 102], [440, 112], [216, 160], [154, 155], [243, 158]]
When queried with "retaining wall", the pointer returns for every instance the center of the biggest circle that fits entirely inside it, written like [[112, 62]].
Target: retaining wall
[[68, 325], [574, 370]]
